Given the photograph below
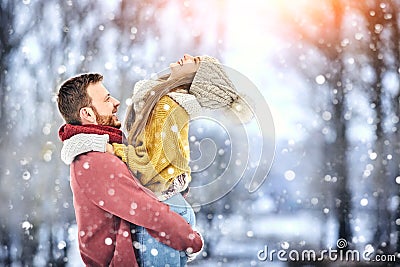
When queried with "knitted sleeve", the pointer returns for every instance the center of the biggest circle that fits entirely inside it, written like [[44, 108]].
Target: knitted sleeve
[[82, 143], [188, 102], [120, 150], [213, 89], [169, 122]]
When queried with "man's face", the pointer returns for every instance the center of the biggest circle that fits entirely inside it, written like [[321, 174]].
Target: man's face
[[104, 105]]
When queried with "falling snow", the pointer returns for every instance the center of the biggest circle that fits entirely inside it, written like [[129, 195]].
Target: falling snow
[[332, 93]]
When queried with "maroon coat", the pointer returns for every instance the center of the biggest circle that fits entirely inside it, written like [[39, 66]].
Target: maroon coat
[[108, 200]]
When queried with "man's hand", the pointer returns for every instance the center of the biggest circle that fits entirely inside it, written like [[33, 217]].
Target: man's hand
[[109, 148], [192, 255]]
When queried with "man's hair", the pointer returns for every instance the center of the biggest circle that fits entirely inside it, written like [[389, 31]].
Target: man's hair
[[72, 96]]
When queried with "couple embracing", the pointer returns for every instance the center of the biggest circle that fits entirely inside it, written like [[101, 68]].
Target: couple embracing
[[129, 193]]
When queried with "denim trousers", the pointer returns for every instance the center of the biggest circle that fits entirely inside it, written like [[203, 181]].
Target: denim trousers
[[152, 253]]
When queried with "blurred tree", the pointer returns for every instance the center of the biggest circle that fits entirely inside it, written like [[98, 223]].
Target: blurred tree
[[337, 150], [391, 22], [9, 41], [321, 31], [382, 52], [395, 140], [375, 25]]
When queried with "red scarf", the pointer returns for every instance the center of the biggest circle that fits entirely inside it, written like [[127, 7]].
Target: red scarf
[[68, 130]]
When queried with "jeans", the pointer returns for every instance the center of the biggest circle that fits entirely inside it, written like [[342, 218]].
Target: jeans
[[152, 253]]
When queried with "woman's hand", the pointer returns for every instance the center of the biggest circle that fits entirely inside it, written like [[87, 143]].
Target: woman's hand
[[109, 148]]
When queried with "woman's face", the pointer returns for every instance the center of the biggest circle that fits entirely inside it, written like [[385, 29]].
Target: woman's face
[[188, 65]]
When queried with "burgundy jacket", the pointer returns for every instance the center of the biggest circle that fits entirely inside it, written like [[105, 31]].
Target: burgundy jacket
[[108, 200]]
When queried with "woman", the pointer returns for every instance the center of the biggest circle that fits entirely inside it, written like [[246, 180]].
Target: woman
[[158, 152], [158, 148]]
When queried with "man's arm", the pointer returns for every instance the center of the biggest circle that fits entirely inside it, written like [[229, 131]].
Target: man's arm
[[107, 182]]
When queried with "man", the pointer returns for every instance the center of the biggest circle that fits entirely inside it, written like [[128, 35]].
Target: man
[[108, 200]]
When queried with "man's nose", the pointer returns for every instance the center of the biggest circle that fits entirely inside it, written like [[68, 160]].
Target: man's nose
[[115, 102]]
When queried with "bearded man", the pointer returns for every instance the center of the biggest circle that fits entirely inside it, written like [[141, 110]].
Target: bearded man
[[108, 200]]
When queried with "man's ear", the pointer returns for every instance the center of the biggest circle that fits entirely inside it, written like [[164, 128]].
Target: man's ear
[[87, 116]]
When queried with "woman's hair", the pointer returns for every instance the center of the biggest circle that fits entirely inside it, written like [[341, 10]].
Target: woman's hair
[[136, 123]]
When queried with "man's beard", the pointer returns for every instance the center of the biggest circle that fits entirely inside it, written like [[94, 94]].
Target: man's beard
[[106, 120]]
